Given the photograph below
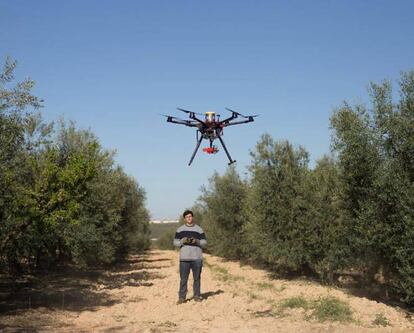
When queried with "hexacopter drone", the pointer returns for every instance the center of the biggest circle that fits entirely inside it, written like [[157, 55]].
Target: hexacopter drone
[[210, 128]]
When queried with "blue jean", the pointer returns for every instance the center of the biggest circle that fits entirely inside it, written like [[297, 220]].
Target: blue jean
[[185, 266]]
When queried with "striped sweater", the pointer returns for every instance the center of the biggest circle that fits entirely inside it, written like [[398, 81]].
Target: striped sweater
[[190, 252]]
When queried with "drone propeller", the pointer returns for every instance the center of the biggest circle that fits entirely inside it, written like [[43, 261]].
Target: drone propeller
[[186, 111], [175, 118], [241, 115], [169, 117]]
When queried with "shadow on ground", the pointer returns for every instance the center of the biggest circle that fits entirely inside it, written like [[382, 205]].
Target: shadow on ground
[[72, 289], [32, 324], [211, 293], [379, 293], [156, 260]]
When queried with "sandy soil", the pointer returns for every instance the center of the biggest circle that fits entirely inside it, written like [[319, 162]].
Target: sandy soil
[[141, 296]]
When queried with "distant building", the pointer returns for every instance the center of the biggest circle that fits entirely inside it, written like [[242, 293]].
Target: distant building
[[163, 221]]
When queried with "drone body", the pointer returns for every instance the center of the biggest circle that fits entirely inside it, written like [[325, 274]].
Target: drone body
[[211, 128]]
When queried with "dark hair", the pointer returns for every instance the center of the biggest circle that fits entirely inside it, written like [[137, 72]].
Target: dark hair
[[188, 212]]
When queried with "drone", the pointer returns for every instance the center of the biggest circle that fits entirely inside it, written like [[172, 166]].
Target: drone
[[211, 128]]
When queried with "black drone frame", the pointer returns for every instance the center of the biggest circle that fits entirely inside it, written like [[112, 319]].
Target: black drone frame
[[202, 128]]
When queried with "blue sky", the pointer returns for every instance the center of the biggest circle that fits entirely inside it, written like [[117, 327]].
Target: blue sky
[[113, 66]]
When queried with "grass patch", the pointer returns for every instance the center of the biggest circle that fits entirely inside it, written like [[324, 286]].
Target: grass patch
[[238, 278], [220, 272], [252, 296], [168, 324], [294, 303], [269, 286], [223, 276], [381, 320], [264, 285], [330, 308], [326, 308]]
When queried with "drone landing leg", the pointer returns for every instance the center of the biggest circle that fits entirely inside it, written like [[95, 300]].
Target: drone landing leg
[[195, 150], [225, 149]]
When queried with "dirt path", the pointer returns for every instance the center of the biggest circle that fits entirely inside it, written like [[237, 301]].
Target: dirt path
[[141, 297]]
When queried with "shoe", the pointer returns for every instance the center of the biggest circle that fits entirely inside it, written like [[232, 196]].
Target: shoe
[[181, 301], [197, 298]]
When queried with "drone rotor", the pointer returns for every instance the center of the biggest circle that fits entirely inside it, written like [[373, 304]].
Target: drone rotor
[[187, 111], [241, 115]]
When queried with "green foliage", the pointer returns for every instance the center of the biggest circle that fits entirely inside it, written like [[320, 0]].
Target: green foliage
[[61, 195], [359, 159], [16, 204], [326, 308], [381, 320], [331, 309], [264, 285], [277, 230], [222, 205], [221, 273], [376, 158], [295, 302], [353, 210], [165, 242], [18, 98], [328, 249], [105, 209], [159, 229]]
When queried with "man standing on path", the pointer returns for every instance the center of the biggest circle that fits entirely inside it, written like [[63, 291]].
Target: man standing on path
[[190, 238]]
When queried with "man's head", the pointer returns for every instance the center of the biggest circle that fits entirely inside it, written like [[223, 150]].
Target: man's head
[[188, 216]]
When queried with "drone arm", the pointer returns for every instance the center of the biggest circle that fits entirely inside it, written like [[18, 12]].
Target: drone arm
[[181, 122], [233, 116], [228, 123], [193, 116]]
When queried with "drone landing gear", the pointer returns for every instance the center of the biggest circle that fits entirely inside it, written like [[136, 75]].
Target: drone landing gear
[[212, 149], [225, 149], [195, 150]]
